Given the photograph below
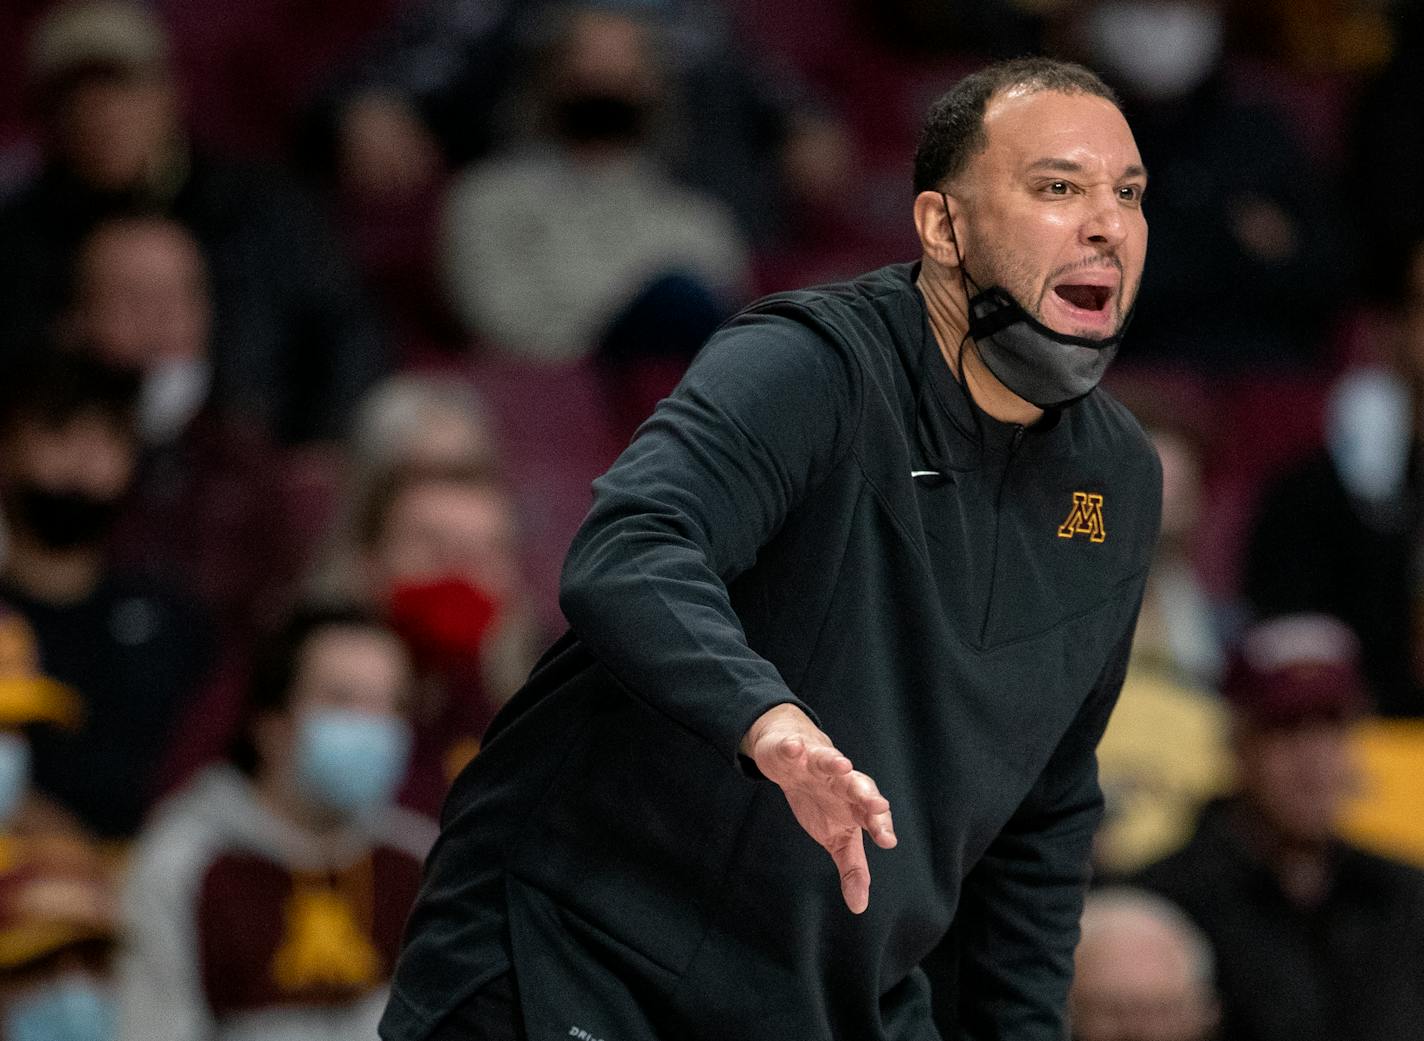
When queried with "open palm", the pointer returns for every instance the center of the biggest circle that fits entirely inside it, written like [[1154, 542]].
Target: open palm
[[832, 801]]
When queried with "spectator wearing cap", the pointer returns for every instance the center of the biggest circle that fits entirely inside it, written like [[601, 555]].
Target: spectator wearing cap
[[134, 649], [266, 899], [57, 892], [29, 700], [1315, 940], [295, 342], [58, 934], [1142, 972]]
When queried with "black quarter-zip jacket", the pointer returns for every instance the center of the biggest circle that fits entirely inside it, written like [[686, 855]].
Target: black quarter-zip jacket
[[818, 515]]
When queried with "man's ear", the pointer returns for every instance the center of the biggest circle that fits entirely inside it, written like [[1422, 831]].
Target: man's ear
[[933, 213]]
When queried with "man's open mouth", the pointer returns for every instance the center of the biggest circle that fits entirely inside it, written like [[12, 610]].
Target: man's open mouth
[[1085, 297]]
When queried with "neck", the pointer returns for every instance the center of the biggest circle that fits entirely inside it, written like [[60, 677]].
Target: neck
[[1304, 874], [1302, 866], [278, 793], [52, 575], [948, 308]]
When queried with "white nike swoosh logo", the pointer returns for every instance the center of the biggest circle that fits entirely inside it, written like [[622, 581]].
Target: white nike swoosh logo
[[924, 473]]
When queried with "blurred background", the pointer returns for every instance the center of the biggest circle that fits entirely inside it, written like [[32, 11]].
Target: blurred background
[[317, 319]]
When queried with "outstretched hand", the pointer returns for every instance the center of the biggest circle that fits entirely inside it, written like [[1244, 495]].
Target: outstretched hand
[[832, 801]]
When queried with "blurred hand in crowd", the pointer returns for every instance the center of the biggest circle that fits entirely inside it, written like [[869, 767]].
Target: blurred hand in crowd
[[818, 162]]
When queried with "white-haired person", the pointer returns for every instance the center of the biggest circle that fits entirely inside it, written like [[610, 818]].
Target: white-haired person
[[1143, 972]]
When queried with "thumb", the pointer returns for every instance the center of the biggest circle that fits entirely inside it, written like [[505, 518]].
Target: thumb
[[849, 857]]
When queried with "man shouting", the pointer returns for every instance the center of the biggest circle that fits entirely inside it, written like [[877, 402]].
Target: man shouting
[[870, 573]]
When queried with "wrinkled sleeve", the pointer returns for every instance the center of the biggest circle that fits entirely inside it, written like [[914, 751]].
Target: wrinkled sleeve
[[765, 414], [1017, 925]]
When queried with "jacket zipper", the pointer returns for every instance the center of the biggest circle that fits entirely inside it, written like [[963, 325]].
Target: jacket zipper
[[998, 515]]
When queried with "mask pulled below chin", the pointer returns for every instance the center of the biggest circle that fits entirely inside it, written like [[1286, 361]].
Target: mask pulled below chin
[[1044, 367], [444, 621]]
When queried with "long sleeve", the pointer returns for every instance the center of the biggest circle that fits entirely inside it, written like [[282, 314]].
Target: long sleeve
[[766, 412], [1017, 924]]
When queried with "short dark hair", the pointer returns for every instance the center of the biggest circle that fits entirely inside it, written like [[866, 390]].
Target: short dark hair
[[279, 658], [954, 129]]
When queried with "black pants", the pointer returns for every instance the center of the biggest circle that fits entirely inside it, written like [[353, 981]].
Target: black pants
[[490, 1014]]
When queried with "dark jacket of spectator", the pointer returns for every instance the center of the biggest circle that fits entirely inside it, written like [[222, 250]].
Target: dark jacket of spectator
[[1315, 548], [1247, 256], [205, 507], [1346, 968], [1389, 136], [136, 653]]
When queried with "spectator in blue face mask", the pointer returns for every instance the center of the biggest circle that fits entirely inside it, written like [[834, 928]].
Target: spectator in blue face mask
[[267, 898]]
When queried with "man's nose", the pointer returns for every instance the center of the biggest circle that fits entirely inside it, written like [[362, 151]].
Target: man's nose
[[1105, 224]]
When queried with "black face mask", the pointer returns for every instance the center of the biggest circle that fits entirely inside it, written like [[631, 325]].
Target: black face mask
[[62, 519], [600, 118], [1044, 367]]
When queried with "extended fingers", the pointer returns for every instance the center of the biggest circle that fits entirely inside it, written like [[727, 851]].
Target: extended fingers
[[870, 809], [881, 828], [827, 761]]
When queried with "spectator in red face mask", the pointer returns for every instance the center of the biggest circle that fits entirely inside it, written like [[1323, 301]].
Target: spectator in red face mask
[[437, 549]]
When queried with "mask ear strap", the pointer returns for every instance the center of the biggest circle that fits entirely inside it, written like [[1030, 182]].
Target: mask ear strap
[[944, 200], [964, 275], [966, 341]]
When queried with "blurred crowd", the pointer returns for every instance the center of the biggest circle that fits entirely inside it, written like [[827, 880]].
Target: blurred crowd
[[317, 318]]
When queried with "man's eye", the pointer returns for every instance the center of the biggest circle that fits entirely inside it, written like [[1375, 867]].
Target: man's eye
[[1130, 193], [1057, 188]]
